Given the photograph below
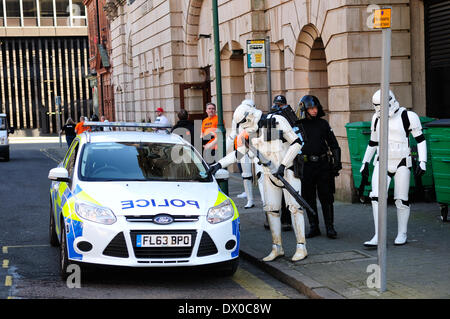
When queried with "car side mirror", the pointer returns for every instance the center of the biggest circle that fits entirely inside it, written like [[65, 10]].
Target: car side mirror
[[222, 175], [59, 174]]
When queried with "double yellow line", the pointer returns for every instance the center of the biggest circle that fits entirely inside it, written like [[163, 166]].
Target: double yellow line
[[5, 262], [5, 265], [256, 286]]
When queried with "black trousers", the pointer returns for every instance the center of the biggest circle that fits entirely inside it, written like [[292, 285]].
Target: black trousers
[[317, 182]]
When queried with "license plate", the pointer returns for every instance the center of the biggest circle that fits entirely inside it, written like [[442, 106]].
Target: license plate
[[172, 240]]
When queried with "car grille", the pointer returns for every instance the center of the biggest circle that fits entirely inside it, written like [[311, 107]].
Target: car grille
[[162, 252], [207, 246], [117, 247], [149, 218]]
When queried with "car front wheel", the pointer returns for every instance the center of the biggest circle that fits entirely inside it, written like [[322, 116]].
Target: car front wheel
[[230, 267]]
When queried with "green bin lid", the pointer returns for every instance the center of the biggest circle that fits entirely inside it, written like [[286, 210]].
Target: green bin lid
[[439, 123], [426, 119], [357, 124]]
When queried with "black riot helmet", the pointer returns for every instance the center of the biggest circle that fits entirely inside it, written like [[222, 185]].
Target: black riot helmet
[[309, 101], [280, 99]]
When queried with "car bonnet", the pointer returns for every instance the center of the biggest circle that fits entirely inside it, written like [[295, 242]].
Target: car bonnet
[[150, 198]]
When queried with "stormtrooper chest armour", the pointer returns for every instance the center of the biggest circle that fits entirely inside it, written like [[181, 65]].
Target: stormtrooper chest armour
[[398, 139]]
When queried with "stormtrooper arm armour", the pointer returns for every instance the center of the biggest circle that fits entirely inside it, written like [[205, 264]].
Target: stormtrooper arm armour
[[233, 157], [291, 138], [373, 143], [231, 137], [416, 131]]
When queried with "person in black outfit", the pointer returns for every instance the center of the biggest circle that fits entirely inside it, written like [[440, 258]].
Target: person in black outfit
[[320, 168], [184, 127], [69, 130]]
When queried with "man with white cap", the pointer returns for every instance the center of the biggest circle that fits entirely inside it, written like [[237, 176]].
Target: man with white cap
[[161, 119]]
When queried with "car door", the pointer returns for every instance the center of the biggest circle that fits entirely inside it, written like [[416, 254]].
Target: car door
[[61, 191]]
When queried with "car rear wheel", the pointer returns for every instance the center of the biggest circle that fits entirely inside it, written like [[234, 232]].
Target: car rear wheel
[[52, 229], [63, 255], [5, 155]]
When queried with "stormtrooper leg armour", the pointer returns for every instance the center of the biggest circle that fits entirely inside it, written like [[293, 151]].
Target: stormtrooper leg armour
[[298, 223], [297, 217], [275, 229], [248, 187], [402, 220], [374, 241], [401, 202]]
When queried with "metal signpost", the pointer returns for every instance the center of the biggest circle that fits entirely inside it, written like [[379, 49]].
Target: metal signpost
[[382, 20], [269, 74], [58, 117]]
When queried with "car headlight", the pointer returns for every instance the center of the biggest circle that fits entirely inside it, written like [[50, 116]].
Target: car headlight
[[94, 213], [220, 213]]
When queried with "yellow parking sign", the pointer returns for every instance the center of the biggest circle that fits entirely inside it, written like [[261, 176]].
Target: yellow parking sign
[[382, 18], [256, 53]]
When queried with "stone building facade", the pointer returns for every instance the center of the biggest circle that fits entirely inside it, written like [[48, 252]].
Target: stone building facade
[[159, 48]]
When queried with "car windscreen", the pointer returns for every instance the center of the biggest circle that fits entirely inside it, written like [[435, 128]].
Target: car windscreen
[[2, 123], [123, 161]]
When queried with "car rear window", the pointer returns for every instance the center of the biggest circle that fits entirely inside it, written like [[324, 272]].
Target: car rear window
[[122, 161], [2, 123]]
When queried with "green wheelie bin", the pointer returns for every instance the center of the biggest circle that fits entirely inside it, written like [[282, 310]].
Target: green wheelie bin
[[358, 134], [423, 187], [439, 140]]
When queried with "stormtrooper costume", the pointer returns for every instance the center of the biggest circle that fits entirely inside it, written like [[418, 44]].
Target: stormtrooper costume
[[401, 123], [273, 137], [246, 164]]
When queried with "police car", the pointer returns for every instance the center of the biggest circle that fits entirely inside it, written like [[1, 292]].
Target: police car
[[4, 131], [140, 199]]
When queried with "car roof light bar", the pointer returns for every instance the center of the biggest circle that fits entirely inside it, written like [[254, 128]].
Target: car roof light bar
[[127, 124]]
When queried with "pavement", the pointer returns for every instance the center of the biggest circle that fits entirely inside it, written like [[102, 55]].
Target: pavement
[[343, 268]]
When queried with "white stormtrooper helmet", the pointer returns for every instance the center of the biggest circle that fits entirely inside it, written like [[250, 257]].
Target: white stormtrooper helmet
[[246, 117], [249, 102], [393, 103]]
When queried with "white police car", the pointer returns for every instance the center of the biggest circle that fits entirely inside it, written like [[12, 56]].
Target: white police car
[[140, 199]]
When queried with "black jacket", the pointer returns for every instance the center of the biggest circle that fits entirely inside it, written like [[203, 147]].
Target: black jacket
[[185, 128], [319, 137], [69, 129]]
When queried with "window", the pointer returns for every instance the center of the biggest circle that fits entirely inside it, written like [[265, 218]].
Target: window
[[13, 13], [2, 123], [78, 13], [29, 13], [46, 13], [141, 162], [62, 13], [2, 22], [24, 13], [71, 159]]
